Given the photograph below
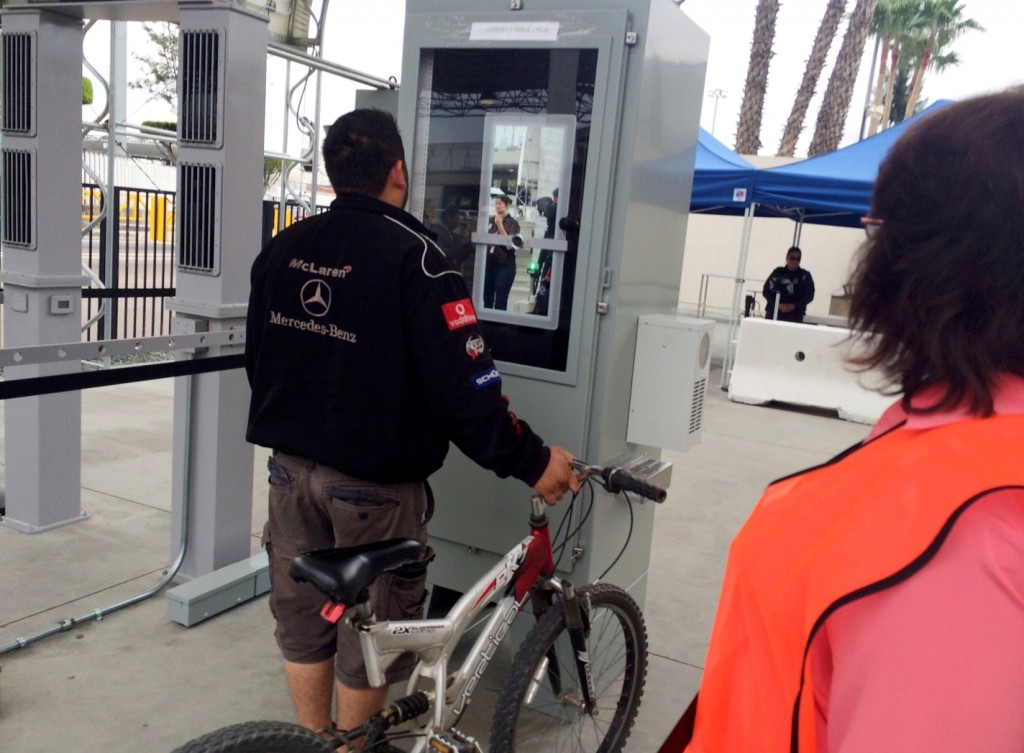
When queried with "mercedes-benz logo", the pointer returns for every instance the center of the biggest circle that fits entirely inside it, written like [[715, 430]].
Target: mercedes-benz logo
[[316, 297]]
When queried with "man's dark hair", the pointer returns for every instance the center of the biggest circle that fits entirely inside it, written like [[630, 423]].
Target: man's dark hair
[[449, 213], [791, 249], [359, 151], [938, 291]]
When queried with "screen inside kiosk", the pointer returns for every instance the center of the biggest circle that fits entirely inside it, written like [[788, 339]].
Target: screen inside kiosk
[[500, 153]]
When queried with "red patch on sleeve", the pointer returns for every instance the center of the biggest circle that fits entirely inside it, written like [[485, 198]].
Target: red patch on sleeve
[[459, 314]]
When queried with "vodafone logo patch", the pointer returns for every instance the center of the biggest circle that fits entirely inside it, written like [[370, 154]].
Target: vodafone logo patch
[[458, 314]]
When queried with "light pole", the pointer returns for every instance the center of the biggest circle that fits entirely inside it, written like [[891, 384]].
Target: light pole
[[717, 94]]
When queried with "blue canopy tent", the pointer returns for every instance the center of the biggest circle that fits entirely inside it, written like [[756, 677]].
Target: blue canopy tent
[[831, 189], [723, 181]]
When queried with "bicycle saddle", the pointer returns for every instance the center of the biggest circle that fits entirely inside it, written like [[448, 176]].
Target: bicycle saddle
[[345, 574]]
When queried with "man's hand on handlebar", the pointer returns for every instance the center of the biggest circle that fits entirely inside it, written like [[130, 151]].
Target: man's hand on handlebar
[[558, 477]]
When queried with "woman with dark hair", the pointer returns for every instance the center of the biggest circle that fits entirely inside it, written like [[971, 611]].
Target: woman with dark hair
[[876, 602]]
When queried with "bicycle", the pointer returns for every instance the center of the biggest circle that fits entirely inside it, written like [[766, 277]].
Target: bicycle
[[575, 682]]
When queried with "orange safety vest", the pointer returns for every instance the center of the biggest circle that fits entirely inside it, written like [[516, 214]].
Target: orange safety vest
[[860, 523]]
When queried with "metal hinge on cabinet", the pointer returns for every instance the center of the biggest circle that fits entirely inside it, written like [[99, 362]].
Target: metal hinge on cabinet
[[606, 282]]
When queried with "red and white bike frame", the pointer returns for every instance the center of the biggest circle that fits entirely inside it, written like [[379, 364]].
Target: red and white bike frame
[[510, 581]]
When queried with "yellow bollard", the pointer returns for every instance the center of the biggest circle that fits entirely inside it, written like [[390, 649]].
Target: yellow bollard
[[159, 218], [289, 217], [92, 198]]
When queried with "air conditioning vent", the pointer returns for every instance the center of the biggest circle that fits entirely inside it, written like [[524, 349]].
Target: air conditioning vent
[[18, 84], [705, 350], [199, 218], [18, 198], [697, 405], [670, 376], [202, 78]]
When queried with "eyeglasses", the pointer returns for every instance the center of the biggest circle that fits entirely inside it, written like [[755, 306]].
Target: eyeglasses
[[871, 226]]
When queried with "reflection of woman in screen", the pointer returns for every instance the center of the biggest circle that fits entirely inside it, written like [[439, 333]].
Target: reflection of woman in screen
[[500, 271]]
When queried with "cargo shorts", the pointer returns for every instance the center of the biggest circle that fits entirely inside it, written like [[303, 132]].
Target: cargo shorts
[[312, 506]]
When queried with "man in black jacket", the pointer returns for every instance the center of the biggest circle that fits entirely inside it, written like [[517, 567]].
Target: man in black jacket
[[365, 361], [793, 286]]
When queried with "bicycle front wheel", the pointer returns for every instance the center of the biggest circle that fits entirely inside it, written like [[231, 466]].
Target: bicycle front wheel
[[541, 706], [258, 737]]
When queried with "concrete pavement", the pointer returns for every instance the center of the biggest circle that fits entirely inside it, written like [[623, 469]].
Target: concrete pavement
[[137, 682]]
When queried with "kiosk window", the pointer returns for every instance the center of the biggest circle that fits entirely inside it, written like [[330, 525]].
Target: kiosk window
[[500, 151]]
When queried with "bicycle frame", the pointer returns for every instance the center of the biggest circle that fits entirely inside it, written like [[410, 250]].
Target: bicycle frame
[[434, 640]]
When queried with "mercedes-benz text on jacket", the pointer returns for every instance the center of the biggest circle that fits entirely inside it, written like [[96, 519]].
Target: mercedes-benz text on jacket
[[363, 352]]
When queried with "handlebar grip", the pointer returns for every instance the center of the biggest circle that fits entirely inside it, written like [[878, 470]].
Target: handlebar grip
[[619, 480]]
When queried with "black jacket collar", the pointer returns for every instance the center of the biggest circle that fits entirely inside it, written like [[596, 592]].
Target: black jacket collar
[[362, 203]]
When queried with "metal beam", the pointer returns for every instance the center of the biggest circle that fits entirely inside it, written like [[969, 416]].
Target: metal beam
[[288, 53]]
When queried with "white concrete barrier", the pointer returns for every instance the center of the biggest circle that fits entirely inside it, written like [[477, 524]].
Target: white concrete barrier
[[802, 364]]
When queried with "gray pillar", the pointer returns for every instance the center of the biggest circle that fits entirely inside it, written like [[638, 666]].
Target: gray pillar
[[219, 228], [42, 274]]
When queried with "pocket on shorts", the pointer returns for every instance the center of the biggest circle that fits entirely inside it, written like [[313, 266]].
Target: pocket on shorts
[[363, 514], [279, 477], [401, 593], [295, 520]]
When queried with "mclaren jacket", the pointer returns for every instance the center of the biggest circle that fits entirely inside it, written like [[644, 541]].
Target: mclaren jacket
[[363, 353]]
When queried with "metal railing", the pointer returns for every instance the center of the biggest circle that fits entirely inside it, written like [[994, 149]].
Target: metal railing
[[132, 289], [705, 284]]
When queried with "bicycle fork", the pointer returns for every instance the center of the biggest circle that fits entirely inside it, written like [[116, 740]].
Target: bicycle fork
[[577, 623]]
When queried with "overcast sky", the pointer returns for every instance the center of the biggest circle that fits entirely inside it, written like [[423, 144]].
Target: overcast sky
[[368, 37]]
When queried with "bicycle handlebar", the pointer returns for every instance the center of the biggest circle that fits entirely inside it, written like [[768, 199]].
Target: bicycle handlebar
[[617, 480]]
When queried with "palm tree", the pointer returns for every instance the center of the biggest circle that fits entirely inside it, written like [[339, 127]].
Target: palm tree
[[819, 51], [944, 22], [901, 95], [910, 45], [748, 130], [836, 103], [892, 20]]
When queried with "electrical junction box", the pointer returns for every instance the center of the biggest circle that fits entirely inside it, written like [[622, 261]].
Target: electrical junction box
[[670, 375], [62, 304], [216, 592]]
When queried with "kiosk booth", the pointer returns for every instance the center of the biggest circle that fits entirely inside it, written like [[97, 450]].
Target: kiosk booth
[[498, 97], [561, 107]]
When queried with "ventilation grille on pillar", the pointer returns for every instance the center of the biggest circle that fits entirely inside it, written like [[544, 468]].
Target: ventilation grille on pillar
[[199, 218], [18, 86], [697, 405], [202, 78], [18, 198]]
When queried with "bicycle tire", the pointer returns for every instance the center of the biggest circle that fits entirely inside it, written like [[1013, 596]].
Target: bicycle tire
[[617, 649], [258, 737]]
